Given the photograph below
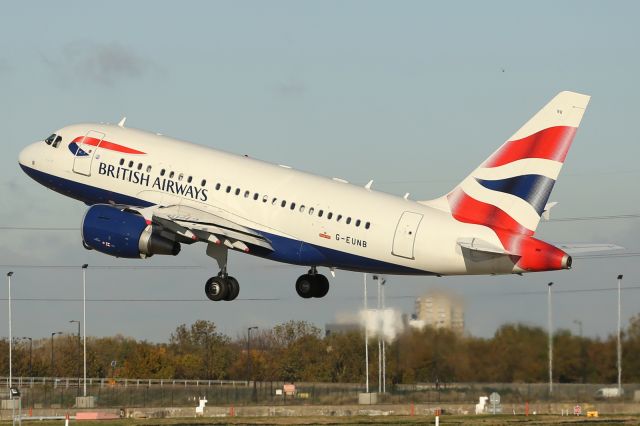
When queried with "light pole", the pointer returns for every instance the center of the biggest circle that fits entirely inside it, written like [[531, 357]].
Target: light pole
[[249, 361], [619, 342], [384, 345], [550, 332], [77, 322], [9, 275], [582, 369], [30, 354], [84, 329], [53, 371], [381, 281], [366, 334]]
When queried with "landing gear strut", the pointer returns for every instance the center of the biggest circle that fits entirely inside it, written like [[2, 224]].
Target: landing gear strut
[[223, 286], [312, 284]]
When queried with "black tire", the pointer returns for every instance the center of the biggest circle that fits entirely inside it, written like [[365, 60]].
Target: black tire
[[320, 286], [304, 286], [234, 288], [216, 288]]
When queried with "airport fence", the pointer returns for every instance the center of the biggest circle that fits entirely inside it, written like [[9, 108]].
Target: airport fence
[[62, 392]]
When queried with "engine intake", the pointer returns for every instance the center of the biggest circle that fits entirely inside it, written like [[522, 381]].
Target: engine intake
[[121, 233]]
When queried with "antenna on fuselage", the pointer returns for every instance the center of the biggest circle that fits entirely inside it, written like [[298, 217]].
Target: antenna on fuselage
[[368, 185], [121, 123]]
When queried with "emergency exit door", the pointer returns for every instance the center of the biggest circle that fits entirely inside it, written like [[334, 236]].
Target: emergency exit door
[[405, 236]]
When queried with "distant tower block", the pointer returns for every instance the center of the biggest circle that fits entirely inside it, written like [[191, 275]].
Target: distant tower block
[[440, 309]]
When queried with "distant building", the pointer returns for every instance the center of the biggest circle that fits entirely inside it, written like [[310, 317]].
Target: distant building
[[439, 309]]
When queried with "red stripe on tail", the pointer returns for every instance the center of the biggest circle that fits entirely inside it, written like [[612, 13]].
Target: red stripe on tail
[[552, 143]]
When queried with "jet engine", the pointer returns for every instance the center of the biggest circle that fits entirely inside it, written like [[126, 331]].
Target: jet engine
[[123, 233]]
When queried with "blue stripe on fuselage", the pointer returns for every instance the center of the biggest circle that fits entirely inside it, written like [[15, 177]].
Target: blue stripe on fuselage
[[287, 250]]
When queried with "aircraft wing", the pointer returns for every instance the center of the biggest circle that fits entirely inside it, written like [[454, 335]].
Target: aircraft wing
[[191, 225], [575, 248]]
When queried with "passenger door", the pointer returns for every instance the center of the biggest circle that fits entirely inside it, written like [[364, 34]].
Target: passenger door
[[86, 151], [405, 236]]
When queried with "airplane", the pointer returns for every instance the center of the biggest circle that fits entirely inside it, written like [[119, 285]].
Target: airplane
[[148, 194]]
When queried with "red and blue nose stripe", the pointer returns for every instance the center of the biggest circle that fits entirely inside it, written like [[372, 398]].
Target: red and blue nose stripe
[[74, 146]]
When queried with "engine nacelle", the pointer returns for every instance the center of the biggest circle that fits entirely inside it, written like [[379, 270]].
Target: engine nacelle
[[120, 233]]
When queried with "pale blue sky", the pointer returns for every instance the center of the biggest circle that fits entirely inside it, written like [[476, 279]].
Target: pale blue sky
[[410, 94]]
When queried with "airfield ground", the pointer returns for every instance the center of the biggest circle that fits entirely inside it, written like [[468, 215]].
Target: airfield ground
[[486, 420]]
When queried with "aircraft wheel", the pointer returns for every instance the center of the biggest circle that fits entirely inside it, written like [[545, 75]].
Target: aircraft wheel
[[216, 288], [305, 286], [234, 288], [321, 286]]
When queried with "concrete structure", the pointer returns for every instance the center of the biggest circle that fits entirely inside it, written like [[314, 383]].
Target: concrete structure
[[439, 309]]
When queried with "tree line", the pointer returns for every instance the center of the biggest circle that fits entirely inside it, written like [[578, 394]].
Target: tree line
[[297, 351]]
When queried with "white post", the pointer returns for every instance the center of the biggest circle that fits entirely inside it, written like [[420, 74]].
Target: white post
[[379, 341], [84, 328], [550, 332], [384, 357], [10, 338], [619, 342], [366, 334]]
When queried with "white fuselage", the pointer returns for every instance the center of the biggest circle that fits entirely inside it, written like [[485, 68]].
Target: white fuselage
[[375, 232]]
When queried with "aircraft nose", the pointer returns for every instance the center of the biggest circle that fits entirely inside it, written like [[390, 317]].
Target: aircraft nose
[[26, 156]]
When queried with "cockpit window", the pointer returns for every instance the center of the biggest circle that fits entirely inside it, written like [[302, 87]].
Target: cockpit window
[[50, 139], [56, 143]]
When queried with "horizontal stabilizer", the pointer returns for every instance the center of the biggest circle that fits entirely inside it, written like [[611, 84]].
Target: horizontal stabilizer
[[477, 244], [587, 248]]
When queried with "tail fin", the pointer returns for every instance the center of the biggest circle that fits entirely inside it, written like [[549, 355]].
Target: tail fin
[[510, 189]]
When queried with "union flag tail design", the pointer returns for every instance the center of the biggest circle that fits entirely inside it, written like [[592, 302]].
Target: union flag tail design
[[509, 191]]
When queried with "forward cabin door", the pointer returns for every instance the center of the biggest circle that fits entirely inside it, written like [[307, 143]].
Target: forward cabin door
[[85, 152], [405, 236]]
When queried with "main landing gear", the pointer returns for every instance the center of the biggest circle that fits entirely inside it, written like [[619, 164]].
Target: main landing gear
[[222, 287], [312, 284]]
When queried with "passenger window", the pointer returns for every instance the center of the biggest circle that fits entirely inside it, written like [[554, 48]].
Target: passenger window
[[57, 142], [273, 202], [228, 189], [122, 161], [218, 187], [50, 139], [148, 169], [246, 194], [367, 225], [339, 217], [189, 179], [162, 172], [237, 191], [348, 220], [139, 166], [265, 198], [358, 222], [283, 203], [320, 213], [302, 208], [293, 206], [255, 196], [130, 164], [329, 215], [171, 175], [310, 210], [203, 183], [180, 176]]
